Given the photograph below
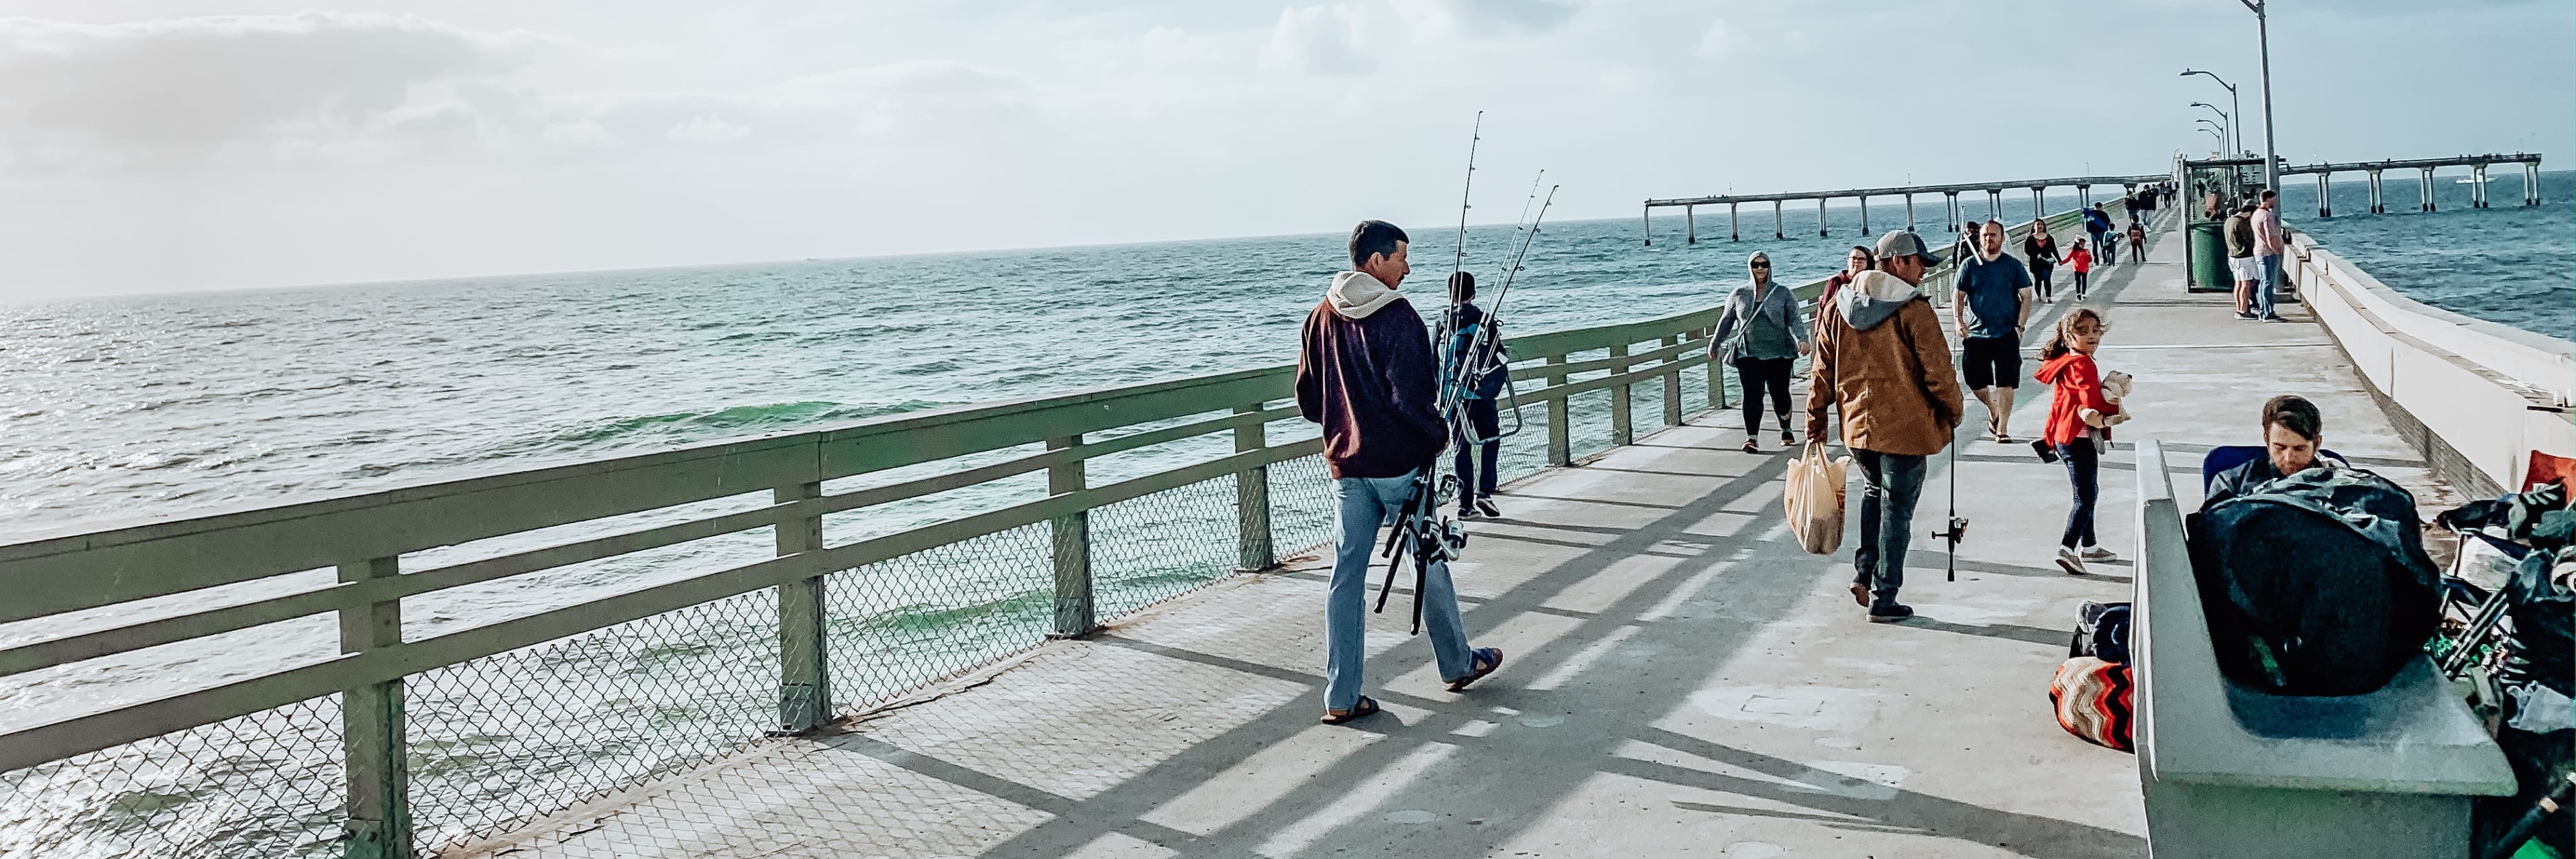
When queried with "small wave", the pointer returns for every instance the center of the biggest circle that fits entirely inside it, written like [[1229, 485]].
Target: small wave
[[727, 421], [931, 368]]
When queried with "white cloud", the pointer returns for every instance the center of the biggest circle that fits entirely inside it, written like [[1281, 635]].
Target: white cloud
[[1319, 40], [1713, 42], [707, 128]]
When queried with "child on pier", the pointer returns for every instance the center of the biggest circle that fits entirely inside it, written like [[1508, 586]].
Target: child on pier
[[2066, 362], [2081, 261]]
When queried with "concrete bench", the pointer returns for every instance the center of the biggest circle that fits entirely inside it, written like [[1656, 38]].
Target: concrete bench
[[2229, 771]]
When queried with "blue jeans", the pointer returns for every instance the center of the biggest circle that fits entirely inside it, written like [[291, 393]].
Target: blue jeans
[[1361, 506], [1890, 484], [2263, 288]]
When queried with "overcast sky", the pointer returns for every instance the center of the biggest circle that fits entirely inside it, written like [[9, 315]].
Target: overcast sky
[[164, 145]]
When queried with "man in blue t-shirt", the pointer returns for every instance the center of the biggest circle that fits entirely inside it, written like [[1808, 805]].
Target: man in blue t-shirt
[[1991, 304]]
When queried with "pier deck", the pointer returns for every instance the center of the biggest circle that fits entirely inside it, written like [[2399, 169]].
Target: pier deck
[[1680, 681]]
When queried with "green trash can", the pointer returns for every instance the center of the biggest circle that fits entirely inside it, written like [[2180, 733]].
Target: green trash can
[[2209, 258]]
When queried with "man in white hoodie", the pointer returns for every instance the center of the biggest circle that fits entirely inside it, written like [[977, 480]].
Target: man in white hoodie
[[1880, 358], [1366, 373]]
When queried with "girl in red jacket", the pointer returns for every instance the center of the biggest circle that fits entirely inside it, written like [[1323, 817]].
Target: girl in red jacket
[[2067, 364], [2080, 259]]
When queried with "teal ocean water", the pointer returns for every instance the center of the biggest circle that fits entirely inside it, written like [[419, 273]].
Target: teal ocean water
[[119, 410], [2506, 263]]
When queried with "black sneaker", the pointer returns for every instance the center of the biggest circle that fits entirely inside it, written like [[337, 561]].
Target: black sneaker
[[1466, 511], [2245, 315], [1889, 611], [1486, 507]]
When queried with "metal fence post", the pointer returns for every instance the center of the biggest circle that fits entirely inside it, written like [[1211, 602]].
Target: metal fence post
[[804, 681], [1622, 431], [1253, 548], [372, 737], [1074, 612], [1672, 382], [1560, 448]]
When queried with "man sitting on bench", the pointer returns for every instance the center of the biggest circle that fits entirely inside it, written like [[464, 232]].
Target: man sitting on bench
[[2292, 434]]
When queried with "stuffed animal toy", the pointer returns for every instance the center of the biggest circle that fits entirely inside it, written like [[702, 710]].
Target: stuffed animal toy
[[2115, 387]]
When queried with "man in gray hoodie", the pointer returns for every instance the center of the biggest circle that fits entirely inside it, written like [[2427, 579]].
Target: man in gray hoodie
[[1880, 359], [1366, 373]]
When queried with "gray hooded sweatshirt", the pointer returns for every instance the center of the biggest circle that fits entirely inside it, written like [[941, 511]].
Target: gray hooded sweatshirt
[[1770, 323]]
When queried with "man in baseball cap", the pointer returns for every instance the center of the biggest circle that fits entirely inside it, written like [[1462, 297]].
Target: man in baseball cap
[[1882, 362]]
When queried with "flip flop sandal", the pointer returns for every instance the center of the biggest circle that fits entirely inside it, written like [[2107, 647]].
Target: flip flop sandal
[[1363, 709], [1488, 657]]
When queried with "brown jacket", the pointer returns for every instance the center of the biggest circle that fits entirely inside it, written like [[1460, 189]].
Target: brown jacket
[[1881, 360]]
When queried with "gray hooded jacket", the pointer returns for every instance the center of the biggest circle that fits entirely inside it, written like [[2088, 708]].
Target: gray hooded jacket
[[1770, 325]]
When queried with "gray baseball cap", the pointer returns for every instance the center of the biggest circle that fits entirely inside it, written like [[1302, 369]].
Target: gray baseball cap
[[1899, 243]]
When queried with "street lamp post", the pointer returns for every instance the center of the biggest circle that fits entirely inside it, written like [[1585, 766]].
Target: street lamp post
[[2263, 35], [2226, 123], [2233, 109]]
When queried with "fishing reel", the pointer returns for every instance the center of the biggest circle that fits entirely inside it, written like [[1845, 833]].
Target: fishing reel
[[1439, 538], [1958, 531]]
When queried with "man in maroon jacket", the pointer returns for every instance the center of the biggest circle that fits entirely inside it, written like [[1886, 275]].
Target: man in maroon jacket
[[1366, 374]]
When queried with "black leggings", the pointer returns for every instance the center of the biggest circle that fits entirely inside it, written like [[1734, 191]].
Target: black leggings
[[1485, 421], [1753, 375], [2039, 273], [2079, 284], [2084, 469]]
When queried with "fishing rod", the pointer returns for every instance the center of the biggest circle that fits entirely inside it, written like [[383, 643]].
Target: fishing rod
[[1958, 525]]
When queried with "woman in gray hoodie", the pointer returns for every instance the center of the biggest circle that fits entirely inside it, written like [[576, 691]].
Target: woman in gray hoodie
[[1760, 334]]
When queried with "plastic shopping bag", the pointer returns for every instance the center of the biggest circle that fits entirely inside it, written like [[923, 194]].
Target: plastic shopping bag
[[1814, 497]]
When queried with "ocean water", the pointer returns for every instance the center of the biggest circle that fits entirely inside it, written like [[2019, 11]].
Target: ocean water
[[120, 410], [2506, 263]]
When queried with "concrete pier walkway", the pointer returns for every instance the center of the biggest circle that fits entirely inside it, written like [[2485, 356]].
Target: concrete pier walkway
[[1681, 681]]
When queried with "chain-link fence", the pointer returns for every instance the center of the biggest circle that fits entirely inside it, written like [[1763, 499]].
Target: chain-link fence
[[267, 784]]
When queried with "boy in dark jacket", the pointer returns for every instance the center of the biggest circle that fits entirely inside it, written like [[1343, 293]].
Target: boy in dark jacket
[[1366, 373]]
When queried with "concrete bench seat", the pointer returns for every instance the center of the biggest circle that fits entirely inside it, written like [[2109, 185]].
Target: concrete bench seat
[[2233, 771]]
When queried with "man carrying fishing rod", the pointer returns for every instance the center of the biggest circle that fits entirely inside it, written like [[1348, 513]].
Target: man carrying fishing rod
[[1366, 372]]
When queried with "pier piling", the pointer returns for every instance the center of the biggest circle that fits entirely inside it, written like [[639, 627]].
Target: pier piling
[[1994, 204], [2531, 183], [2477, 186], [2377, 205], [1864, 216], [1776, 231], [1952, 213], [2428, 189], [1909, 214], [2325, 197], [1733, 232], [1821, 231], [1648, 225], [1690, 226]]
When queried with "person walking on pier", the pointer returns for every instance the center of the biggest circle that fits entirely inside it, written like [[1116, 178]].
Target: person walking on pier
[[1365, 371], [2066, 362], [2137, 242], [1476, 458], [1990, 306], [1859, 260], [2267, 255], [2040, 251], [2081, 261], [1883, 364], [2241, 263], [1767, 338], [2097, 224]]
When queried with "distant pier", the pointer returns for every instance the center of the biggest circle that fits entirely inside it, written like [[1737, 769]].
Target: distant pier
[[1953, 212]]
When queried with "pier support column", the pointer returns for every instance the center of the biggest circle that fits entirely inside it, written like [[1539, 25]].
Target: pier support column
[[1864, 216], [1733, 233], [2428, 189], [2038, 203], [1672, 383], [1623, 430], [2083, 199], [804, 694], [1647, 225], [1075, 614], [1909, 212], [1560, 448], [1252, 546], [2325, 196], [374, 749], [2477, 186], [1821, 232], [2377, 205], [1776, 231], [2531, 183], [1951, 210], [1690, 225], [1994, 204]]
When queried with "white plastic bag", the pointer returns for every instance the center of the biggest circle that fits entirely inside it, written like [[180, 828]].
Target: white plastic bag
[[1814, 498]]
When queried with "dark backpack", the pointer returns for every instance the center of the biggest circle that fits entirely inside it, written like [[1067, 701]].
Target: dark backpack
[[2101, 632], [2316, 583]]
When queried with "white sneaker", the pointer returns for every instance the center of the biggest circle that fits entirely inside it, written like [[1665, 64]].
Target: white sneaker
[[2070, 561], [2097, 553]]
